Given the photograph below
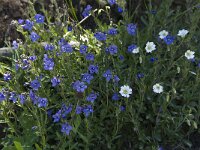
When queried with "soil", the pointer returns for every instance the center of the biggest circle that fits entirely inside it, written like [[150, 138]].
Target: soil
[[10, 10]]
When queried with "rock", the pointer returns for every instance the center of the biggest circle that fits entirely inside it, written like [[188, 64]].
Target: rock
[[10, 10]]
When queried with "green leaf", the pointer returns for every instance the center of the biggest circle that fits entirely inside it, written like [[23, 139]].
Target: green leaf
[[37, 147], [18, 145], [195, 125]]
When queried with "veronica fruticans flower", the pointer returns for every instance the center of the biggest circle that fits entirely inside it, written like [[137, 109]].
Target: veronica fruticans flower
[[112, 2], [91, 97], [42, 102], [66, 128], [2, 96], [150, 46], [86, 11], [107, 75], [15, 45], [131, 29], [35, 84], [133, 49], [100, 36], [7, 76], [169, 39], [86, 77], [39, 18], [189, 54], [112, 31], [28, 25], [83, 49], [55, 81], [125, 91], [182, 33], [112, 49], [163, 34], [34, 36], [157, 88]]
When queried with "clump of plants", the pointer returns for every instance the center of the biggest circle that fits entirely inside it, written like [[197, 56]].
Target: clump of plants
[[122, 86]]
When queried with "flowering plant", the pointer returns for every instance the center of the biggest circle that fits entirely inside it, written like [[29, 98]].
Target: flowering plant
[[76, 89]]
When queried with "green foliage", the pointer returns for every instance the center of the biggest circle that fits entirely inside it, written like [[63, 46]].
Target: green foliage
[[150, 120]]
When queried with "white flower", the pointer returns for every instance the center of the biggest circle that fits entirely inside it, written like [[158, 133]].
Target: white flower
[[136, 50], [84, 38], [157, 88], [74, 43], [189, 54], [163, 34], [150, 46], [182, 33], [125, 91]]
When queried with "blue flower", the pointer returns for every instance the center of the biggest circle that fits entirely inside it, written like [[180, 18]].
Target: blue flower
[[20, 21], [108, 75], [22, 98], [79, 86], [86, 77], [42, 102], [120, 9], [79, 109], [62, 41], [33, 97], [112, 31], [152, 59], [55, 81], [15, 45], [28, 25], [169, 39], [49, 112], [115, 97], [66, 110], [112, 49], [131, 28], [91, 97], [32, 58], [57, 116], [160, 148], [49, 47], [90, 57], [122, 108], [34, 36], [39, 18], [121, 57], [35, 84], [153, 12], [83, 49], [193, 60], [7, 76], [48, 63], [112, 2], [2, 96], [87, 110], [67, 48], [17, 66], [25, 64], [93, 69], [131, 48], [66, 128], [140, 75], [116, 79], [100, 36], [86, 11], [69, 28], [13, 97]]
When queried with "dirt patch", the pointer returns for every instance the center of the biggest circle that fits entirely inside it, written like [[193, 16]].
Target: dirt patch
[[10, 10]]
